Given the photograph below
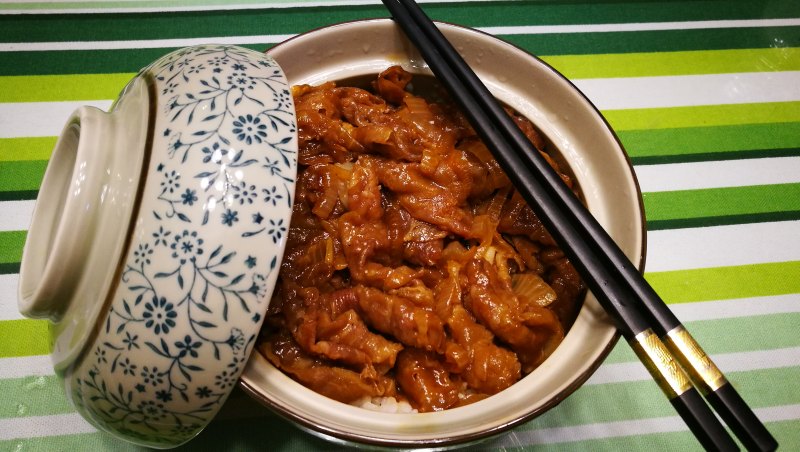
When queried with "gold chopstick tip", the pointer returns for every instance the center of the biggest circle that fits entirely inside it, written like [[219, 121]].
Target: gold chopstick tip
[[666, 371], [703, 372]]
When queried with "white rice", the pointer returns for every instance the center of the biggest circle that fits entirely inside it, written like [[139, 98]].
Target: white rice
[[384, 405], [392, 405]]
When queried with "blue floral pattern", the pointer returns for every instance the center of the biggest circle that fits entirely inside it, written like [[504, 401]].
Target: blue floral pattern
[[205, 253]]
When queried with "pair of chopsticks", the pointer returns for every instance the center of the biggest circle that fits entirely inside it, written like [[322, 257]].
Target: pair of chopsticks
[[659, 339]]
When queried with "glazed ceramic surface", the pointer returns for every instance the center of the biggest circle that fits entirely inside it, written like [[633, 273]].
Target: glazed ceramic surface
[[600, 166], [192, 262]]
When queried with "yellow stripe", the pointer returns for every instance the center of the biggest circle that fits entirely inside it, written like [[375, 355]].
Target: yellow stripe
[[23, 337], [27, 148], [703, 116], [55, 88], [725, 283], [676, 63]]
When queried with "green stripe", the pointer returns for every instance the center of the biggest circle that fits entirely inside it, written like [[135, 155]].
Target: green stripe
[[721, 336], [720, 206], [694, 144], [99, 6], [20, 177], [22, 195], [43, 395], [682, 441], [655, 41], [143, 5], [786, 432], [157, 25], [29, 338], [11, 244], [676, 63], [95, 442], [45, 88], [176, 25], [241, 435], [575, 410], [27, 148], [703, 116], [725, 283], [81, 61], [266, 428], [85, 61], [9, 268]]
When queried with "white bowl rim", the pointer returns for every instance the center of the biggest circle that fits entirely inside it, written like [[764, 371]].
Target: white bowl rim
[[249, 381]]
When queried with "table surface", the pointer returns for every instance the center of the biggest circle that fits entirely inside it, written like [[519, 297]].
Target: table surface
[[704, 95]]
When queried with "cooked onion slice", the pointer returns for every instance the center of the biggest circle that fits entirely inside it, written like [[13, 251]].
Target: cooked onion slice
[[530, 287]]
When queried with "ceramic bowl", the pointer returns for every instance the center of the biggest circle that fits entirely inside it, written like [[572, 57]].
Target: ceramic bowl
[[595, 157], [157, 237]]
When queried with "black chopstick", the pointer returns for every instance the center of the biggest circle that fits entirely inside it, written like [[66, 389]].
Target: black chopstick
[[702, 370], [611, 276]]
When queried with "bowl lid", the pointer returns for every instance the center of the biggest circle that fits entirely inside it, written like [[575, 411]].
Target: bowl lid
[[157, 273]]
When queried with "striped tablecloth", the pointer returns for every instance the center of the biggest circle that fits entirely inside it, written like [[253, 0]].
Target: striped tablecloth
[[705, 96]]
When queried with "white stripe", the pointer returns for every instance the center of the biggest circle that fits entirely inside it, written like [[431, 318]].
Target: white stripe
[[28, 119], [264, 39], [691, 90], [641, 26], [727, 363], [720, 246], [16, 215], [588, 432], [140, 44], [27, 366], [739, 307], [717, 174], [778, 413], [8, 297], [40, 119], [43, 426]]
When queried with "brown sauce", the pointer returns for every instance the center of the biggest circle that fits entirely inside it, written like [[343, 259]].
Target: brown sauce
[[413, 268]]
